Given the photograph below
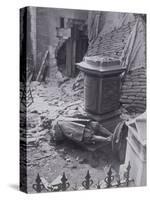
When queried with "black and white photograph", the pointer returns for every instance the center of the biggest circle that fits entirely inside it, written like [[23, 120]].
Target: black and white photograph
[[82, 99]]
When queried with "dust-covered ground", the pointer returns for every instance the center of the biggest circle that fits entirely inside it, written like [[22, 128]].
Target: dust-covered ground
[[60, 97]]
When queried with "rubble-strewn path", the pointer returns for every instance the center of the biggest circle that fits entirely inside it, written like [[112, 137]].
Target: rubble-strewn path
[[52, 100]]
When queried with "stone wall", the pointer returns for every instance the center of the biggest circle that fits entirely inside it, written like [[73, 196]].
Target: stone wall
[[42, 33]]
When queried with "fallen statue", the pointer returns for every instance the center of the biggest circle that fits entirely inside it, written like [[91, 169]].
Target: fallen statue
[[92, 135]]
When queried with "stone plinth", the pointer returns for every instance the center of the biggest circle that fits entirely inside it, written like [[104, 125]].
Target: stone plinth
[[136, 149], [101, 86], [101, 94]]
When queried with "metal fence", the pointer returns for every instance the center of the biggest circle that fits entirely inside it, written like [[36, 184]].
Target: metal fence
[[110, 181]]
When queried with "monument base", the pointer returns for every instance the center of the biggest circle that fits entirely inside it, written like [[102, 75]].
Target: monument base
[[109, 120]]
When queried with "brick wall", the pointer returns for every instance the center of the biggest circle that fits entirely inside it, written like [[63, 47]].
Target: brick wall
[[133, 96]]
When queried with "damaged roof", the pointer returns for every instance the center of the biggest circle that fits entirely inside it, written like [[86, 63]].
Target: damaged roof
[[111, 44]]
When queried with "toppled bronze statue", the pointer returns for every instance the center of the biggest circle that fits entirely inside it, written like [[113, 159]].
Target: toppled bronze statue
[[92, 135]]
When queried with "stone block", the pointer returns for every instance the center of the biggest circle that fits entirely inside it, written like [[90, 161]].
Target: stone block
[[136, 150]]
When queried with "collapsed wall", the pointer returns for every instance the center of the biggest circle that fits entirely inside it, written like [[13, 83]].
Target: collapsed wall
[[53, 29], [44, 30]]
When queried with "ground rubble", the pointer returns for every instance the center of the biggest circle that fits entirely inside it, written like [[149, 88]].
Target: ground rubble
[[50, 102]]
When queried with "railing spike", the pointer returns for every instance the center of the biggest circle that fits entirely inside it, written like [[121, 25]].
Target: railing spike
[[109, 178], [64, 184], [38, 186], [88, 181]]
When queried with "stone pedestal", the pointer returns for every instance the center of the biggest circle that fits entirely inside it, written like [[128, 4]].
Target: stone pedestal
[[136, 150], [101, 86], [101, 94]]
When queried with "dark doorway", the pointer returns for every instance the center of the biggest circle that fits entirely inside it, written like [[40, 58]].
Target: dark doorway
[[72, 51]]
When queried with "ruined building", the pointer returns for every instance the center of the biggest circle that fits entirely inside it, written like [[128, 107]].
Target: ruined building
[[88, 68], [69, 35]]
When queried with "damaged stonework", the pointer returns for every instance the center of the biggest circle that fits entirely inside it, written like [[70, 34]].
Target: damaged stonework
[[136, 149], [101, 85], [77, 116], [92, 135], [72, 45]]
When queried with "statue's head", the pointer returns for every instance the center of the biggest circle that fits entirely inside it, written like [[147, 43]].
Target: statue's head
[[95, 125]]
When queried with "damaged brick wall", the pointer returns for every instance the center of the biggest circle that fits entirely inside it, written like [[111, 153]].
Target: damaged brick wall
[[72, 46], [133, 95], [48, 20], [134, 85]]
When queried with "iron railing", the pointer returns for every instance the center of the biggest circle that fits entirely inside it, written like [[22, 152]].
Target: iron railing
[[110, 181]]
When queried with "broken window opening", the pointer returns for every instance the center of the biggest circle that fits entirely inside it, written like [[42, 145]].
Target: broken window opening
[[62, 22], [71, 51]]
